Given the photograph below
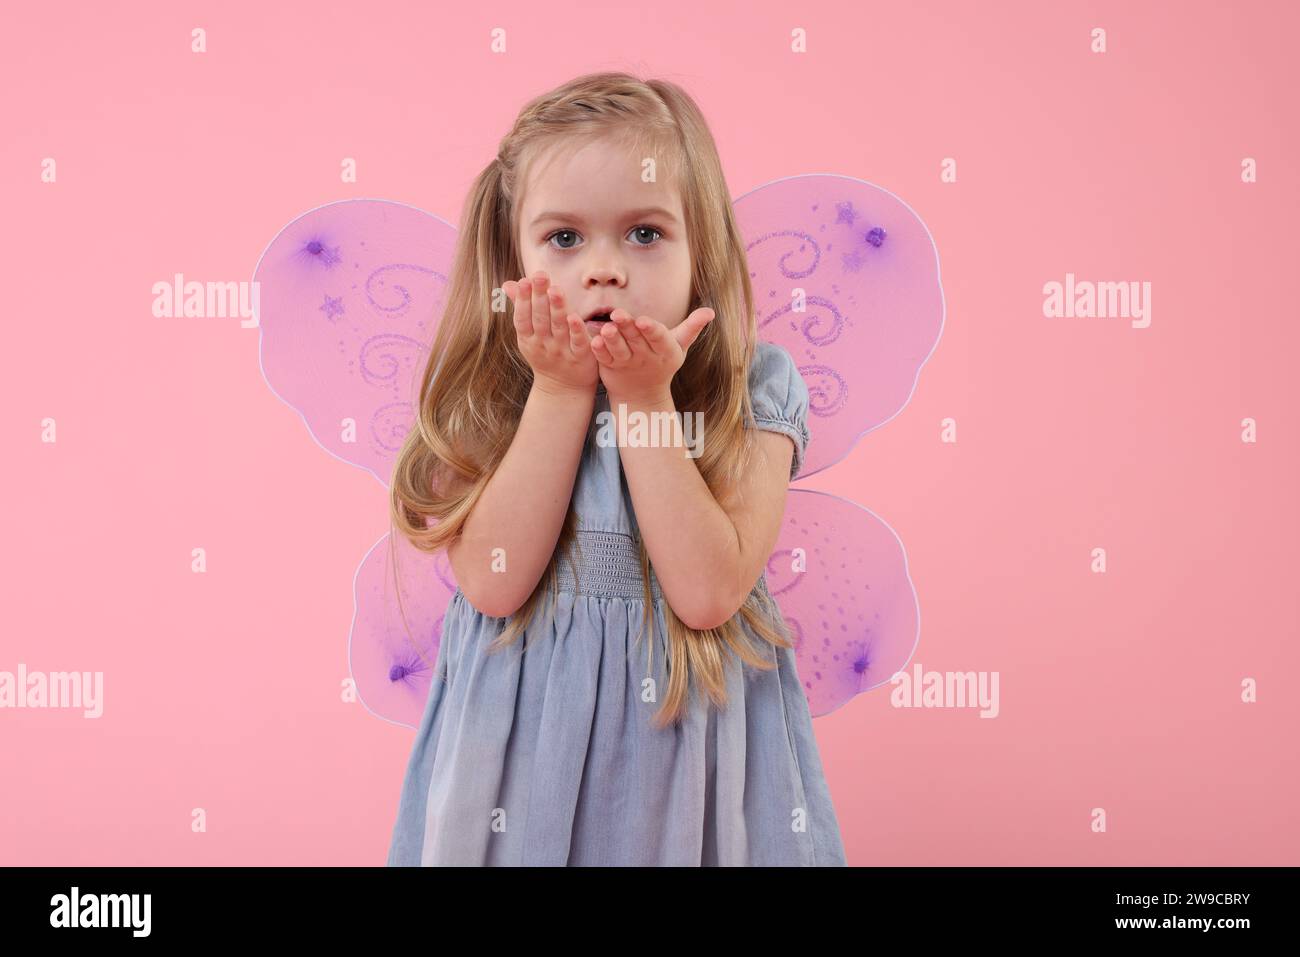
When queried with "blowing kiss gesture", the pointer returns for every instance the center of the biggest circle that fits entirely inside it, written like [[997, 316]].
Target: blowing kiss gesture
[[635, 357]]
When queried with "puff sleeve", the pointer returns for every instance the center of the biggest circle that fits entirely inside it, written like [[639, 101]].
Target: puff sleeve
[[779, 396]]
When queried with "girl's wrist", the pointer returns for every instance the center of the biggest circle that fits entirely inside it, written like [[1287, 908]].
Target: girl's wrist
[[560, 389], [655, 399]]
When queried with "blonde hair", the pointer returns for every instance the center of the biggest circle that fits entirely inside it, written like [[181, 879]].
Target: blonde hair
[[476, 381]]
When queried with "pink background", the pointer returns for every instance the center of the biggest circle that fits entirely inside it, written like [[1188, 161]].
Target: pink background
[[1120, 691]]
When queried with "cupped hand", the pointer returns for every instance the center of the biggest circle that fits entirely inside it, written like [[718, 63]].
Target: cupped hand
[[639, 356], [553, 341]]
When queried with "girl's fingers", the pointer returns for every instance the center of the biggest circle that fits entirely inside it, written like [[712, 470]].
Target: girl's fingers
[[539, 312], [614, 341], [559, 316], [692, 326], [577, 334], [627, 326], [653, 334], [541, 306], [566, 324], [524, 308]]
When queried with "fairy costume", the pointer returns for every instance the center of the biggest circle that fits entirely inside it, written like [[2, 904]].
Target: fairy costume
[[846, 282]]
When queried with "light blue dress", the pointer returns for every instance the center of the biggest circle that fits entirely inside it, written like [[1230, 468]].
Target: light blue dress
[[548, 757]]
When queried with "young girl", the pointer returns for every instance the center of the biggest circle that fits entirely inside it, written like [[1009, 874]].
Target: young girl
[[653, 714]]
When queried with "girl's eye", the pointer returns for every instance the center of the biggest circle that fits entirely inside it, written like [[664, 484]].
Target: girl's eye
[[646, 229], [561, 232], [637, 230]]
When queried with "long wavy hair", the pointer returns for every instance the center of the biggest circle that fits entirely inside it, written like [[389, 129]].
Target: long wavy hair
[[476, 381]]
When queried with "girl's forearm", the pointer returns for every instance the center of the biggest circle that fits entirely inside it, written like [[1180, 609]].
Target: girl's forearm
[[692, 543], [522, 509]]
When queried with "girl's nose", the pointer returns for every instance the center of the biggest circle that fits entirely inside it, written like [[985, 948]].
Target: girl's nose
[[603, 273]]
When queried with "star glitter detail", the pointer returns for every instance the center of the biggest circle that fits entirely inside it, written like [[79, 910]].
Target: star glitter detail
[[332, 307]]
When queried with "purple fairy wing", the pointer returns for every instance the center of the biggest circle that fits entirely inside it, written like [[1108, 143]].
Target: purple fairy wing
[[839, 575], [349, 295], [845, 279], [393, 648]]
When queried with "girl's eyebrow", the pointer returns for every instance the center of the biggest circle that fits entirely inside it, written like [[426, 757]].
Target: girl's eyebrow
[[630, 214]]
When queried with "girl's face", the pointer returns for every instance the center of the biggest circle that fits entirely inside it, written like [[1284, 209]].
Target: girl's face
[[605, 238]]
